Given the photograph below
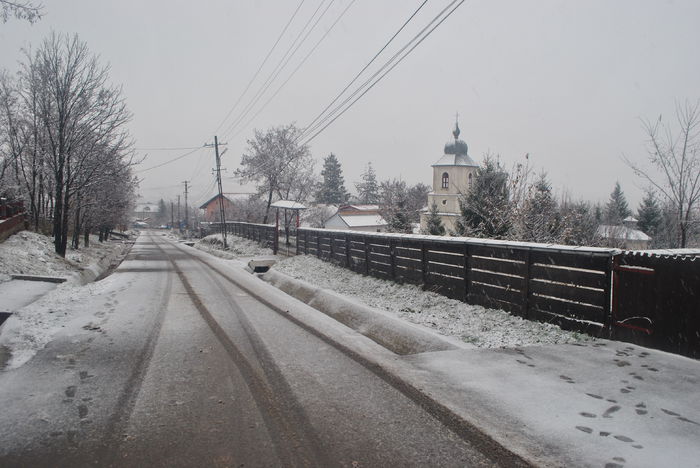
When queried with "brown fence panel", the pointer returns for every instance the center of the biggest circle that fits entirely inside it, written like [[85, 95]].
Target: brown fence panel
[[657, 302]]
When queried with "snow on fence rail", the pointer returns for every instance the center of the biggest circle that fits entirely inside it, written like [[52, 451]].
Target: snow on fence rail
[[650, 299]]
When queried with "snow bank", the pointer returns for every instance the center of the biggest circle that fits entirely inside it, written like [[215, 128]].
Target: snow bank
[[30, 328], [31, 253], [484, 328]]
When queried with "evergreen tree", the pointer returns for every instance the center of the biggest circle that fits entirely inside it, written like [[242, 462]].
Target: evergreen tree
[[649, 216], [540, 220], [434, 223], [332, 190], [617, 209], [486, 208], [395, 207], [579, 225], [368, 188]]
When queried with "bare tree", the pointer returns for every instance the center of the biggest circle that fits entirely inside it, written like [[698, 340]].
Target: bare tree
[[676, 158], [273, 160], [20, 9], [67, 132]]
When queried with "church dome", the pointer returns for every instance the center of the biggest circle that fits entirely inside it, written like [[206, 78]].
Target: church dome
[[456, 152], [457, 146]]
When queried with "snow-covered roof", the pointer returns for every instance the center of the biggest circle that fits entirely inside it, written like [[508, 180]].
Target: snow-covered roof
[[288, 204], [455, 160], [363, 220], [359, 207], [621, 232]]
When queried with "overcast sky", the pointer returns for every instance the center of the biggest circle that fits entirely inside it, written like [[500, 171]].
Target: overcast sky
[[565, 81]]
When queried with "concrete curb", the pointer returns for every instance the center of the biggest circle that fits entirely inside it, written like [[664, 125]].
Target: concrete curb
[[391, 332]]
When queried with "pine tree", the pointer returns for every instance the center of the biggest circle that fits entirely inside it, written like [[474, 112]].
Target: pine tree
[[579, 224], [368, 188], [486, 208], [617, 209], [332, 190], [649, 216], [540, 220], [434, 223]]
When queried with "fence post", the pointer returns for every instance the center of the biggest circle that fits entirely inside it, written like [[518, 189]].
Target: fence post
[[306, 242], [297, 248], [318, 245], [612, 279], [331, 247], [424, 263], [392, 258], [526, 286], [366, 255], [347, 251], [467, 274]]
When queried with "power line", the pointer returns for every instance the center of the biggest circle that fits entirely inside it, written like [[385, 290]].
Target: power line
[[385, 73], [367, 82], [261, 66], [171, 160], [278, 68], [174, 148], [298, 67], [365, 67]]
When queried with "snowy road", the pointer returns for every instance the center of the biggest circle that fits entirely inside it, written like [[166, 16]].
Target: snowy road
[[178, 366]]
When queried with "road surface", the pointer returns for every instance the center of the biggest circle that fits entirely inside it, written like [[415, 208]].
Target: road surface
[[181, 367]]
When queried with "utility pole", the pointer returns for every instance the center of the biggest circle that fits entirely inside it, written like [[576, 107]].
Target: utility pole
[[178, 212], [222, 210], [187, 223], [172, 216]]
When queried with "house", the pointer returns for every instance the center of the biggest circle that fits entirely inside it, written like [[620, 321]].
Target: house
[[453, 175], [357, 218], [212, 207], [624, 236]]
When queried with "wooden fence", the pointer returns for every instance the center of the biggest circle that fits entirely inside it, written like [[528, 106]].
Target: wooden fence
[[650, 300], [559, 284], [656, 301], [11, 225], [261, 233]]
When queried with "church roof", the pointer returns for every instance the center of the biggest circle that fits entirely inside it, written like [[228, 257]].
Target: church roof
[[456, 152], [455, 160]]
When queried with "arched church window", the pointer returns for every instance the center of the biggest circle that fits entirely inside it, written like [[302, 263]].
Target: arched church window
[[470, 180], [445, 180]]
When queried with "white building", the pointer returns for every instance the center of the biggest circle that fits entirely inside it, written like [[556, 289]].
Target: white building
[[625, 236], [357, 218], [453, 175]]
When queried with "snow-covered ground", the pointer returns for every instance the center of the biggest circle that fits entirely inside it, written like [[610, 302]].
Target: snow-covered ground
[[31, 327], [30, 253], [237, 247], [482, 327]]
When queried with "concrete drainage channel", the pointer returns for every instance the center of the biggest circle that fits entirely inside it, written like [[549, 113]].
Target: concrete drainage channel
[[396, 335]]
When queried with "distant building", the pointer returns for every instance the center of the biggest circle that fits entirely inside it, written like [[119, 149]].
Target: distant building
[[624, 236], [145, 212], [357, 218], [211, 208], [453, 175]]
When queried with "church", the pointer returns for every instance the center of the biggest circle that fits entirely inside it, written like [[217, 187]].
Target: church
[[453, 175]]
